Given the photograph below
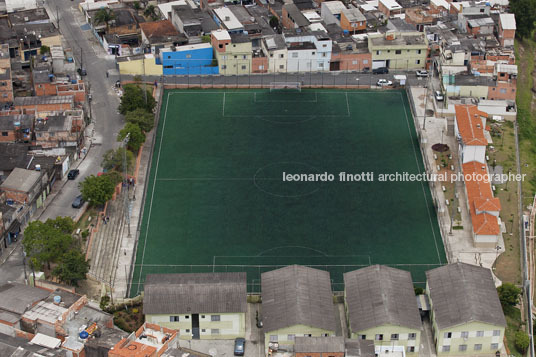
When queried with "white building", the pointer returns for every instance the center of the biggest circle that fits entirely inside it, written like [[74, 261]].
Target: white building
[[275, 49], [469, 128], [19, 5], [224, 16], [308, 52]]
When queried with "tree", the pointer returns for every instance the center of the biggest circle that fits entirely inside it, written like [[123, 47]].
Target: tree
[[97, 189], [141, 118], [150, 11], [113, 160], [522, 341], [72, 267], [205, 38], [508, 294], [44, 242], [133, 98], [44, 50], [103, 16], [136, 6], [525, 14], [137, 137], [274, 22]]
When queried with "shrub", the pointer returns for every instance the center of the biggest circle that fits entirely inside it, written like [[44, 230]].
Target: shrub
[[521, 341]]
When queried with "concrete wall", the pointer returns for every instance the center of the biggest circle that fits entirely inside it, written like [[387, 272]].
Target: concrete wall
[[135, 67], [284, 339], [387, 331], [197, 61]]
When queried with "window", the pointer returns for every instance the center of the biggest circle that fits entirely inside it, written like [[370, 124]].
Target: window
[[202, 316], [313, 53], [281, 56], [324, 54], [365, 61], [398, 52], [502, 90], [394, 336], [478, 347], [243, 67], [294, 54], [271, 55], [261, 67], [320, 64], [307, 335], [223, 66], [411, 349], [480, 334], [445, 349], [168, 67], [354, 62], [362, 337], [419, 52], [281, 66], [378, 52], [215, 331], [496, 332], [187, 330], [325, 335], [168, 57], [412, 336], [4, 133], [494, 346], [215, 318], [291, 337], [223, 57], [447, 335], [462, 348], [418, 62], [188, 56], [379, 337], [220, 45], [203, 330], [173, 318], [481, 10], [234, 45], [465, 334], [235, 57], [324, 45], [273, 338], [187, 317]]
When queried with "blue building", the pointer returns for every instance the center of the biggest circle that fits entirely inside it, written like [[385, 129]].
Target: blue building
[[189, 60]]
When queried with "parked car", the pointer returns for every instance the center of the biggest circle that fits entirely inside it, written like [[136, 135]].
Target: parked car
[[438, 96], [82, 72], [384, 83], [239, 346], [78, 202], [380, 70], [72, 174], [421, 73]]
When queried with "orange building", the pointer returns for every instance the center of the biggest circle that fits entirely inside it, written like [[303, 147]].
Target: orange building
[[353, 20], [150, 340]]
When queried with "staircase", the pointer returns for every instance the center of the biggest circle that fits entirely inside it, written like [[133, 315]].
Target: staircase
[[105, 248]]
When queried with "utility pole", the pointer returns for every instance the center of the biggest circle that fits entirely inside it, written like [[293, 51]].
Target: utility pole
[[125, 170], [144, 82], [58, 16]]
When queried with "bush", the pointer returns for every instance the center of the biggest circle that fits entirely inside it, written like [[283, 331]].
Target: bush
[[85, 233], [104, 301], [508, 294], [522, 341]]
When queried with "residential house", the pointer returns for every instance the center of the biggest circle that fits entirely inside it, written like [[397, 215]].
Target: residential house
[[6, 82], [60, 130], [296, 301], [194, 23], [480, 26], [332, 346], [201, 306], [125, 27], [505, 83], [225, 18], [348, 53], [20, 5], [353, 21], [420, 17], [166, 9], [62, 61], [470, 11], [19, 346], [16, 128], [196, 59], [149, 340], [398, 50], [15, 300], [308, 51], [160, 34], [32, 105], [292, 17], [507, 30], [24, 186], [141, 64], [275, 49], [233, 52], [466, 314], [331, 11], [468, 85], [469, 129], [390, 7], [381, 305]]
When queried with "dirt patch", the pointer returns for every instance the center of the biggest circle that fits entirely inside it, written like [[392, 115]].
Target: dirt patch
[[91, 288]]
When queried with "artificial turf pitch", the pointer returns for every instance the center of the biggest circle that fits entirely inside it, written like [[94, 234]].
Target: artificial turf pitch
[[216, 200]]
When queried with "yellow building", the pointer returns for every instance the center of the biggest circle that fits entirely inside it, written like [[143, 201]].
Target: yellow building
[[201, 306], [381, 306], [134, 65], [399, 50], [233, 52], [296, 301]]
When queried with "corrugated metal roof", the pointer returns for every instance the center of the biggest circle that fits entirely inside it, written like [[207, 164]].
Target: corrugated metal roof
[[18, 298], [379, 295], [195, 293], [297, 295], [462, 293], [51, 99], [319, 344]]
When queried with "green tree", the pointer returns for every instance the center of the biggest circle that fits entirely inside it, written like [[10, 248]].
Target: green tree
[[44, 50], [113, 160], [525, 14], [522, 341], [141, 118], [205, 38], [137, 137], [97, 189], [136, 6], [274, 21], [103, 16], [133, 98], [72, 267], [508, 295], [150, 11], [44, 242]]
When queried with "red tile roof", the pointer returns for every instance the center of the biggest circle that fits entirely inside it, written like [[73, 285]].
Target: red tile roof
[[468, 119], [158, 29], [480, 198]]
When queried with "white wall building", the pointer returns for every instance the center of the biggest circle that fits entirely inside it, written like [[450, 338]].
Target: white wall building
[[308, 52]]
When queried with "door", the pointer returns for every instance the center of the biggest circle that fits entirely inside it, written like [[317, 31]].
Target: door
[[335, 66], [195, 326]]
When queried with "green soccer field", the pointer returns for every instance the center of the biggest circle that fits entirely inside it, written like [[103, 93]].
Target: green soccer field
[[216, 199]]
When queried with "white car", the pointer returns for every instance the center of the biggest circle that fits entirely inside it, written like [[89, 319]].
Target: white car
[[384, 83], [438, 96], [421, 73]]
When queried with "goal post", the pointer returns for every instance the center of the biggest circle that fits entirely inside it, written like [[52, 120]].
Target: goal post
[[274, 86]]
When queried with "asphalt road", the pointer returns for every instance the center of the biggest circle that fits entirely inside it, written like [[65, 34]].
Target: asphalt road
[[106, 121]]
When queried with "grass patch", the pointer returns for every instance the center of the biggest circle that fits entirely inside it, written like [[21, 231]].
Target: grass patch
[[513, 324], [129, 319]]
